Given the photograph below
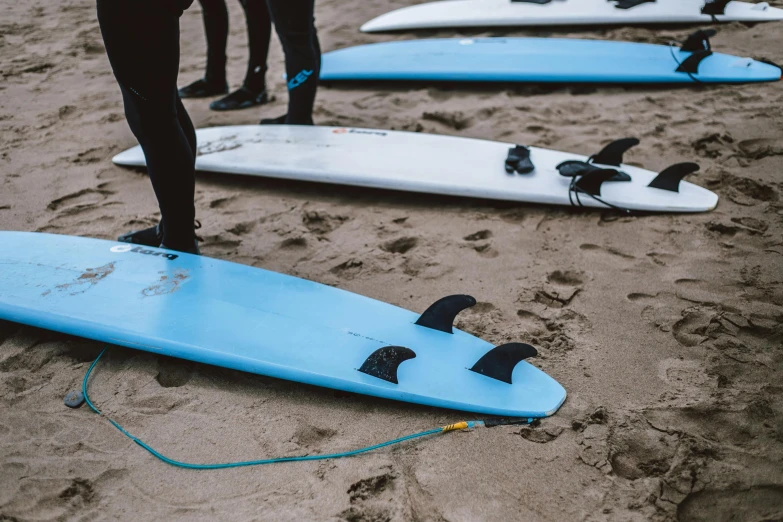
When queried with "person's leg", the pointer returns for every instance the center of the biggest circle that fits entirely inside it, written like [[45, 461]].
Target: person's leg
[[187, 127], [295, 26], [145, 64], [253, 90], [215, 15], [259, 32]]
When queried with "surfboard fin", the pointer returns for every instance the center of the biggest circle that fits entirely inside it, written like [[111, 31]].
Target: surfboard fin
[[383, 363], [715, 7], [698, 44], [592, 181], [613, 153], [518, 160], [670, 177], [690, 65], [699, 41], [440, 315], [541, 2], [627, 4], [499, 362]]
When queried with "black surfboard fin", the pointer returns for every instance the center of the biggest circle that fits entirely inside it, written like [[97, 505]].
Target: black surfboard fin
[[518, 160], [440, 315], [699, 41], [698, 44], [383, 363], [592, 181], [670, 177], [542, 2], [613, 153], [627, 4], [690, 65], [715, 7], [499, 362]]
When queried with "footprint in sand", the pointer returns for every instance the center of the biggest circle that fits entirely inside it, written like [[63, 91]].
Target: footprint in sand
[[312, 436], [456, 120], [372, 499], [81, 200], [561, 288], [714, 145], [240, 229], [222, 243], [400, 245], [294, 243], [736, 225], [347, 269], [760, 148], [692, 328], [479, 319], [636, 450], [478, 243], [740, 502], [478, 236], [82, 208], [686, 378], [221, 202], [79, 487], [743, 191], [538, 433], [93, 155], [698, 291], [661, 258], [551, 333], [320, 222]]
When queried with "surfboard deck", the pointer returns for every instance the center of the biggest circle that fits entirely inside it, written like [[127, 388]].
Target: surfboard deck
[[253, 320], [539, 60], [494, 13], [419, 163]]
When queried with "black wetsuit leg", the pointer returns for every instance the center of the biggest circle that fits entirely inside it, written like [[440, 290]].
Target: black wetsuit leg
[[215, 17], [145, 64], [253, 90], [295, 26], [259, 32], [215, 14]]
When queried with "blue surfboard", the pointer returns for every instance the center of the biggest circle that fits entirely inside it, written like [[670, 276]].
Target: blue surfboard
[[253, 320], [543, 60]]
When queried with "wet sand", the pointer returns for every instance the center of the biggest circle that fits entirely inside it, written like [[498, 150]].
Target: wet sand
[[666, 329]]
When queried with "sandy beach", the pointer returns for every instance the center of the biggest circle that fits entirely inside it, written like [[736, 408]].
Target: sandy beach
[[666, 330]]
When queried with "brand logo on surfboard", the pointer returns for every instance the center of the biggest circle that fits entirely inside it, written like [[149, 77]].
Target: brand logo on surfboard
[[120, 249], [359, 131]]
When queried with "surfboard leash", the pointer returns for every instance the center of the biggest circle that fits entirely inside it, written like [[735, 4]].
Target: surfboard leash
[[188, 465], [574, 191]]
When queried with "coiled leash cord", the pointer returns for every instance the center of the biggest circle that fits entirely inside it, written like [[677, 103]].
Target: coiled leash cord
[[188, 465], [574, 191]]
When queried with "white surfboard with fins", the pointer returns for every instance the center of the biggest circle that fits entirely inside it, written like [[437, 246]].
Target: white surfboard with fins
[[446, 165], [521, 13]]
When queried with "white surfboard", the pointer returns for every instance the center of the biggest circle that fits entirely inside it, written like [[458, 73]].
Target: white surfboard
[[489, 13], [439, 165]]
